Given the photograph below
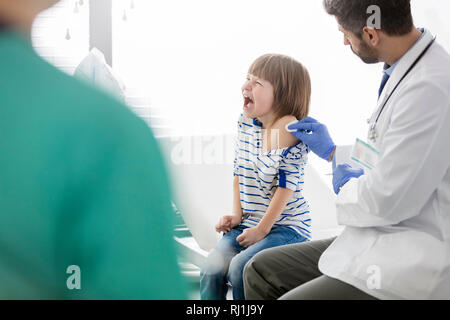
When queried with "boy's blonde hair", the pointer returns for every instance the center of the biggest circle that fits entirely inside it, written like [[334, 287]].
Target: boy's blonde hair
[[290, 81]]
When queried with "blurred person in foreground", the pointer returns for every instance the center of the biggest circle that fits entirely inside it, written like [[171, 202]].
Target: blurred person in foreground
[[84, 198]]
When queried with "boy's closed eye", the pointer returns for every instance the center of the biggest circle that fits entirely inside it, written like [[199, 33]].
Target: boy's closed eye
[[255, 81]]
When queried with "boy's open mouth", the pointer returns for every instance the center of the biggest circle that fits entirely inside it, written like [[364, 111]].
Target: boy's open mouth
[[247, 102]]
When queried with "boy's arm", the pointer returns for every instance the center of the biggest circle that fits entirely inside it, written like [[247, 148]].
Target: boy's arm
[[277, 204], [237, 209], [227, 223], [283, 193], [276, 207]]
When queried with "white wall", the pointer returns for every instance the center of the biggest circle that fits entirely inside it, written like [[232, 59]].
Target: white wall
[[190, 58]]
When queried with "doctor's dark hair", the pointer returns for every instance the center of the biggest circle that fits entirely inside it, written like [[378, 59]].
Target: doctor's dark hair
[[396, 17], [291, 84]]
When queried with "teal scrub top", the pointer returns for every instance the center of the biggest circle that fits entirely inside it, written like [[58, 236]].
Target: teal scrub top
[[82, 183]]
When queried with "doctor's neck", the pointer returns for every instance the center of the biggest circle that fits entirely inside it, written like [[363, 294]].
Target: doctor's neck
[[395, 47]]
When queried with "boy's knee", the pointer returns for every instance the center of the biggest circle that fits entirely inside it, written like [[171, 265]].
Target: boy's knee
[[215, 264], [236, 268]]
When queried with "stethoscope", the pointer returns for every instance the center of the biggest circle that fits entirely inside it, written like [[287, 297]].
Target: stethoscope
[[373, 132]]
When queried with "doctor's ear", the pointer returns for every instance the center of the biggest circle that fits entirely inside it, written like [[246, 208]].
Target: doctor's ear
[[371, 35]]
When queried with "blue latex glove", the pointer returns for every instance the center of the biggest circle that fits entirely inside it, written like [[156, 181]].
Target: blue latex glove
[[315, 135], [342, 174]]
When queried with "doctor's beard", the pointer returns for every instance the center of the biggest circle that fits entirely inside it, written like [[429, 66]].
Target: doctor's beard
[[366, 53]]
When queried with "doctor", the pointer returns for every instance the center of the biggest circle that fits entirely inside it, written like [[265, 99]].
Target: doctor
[[396, 244]]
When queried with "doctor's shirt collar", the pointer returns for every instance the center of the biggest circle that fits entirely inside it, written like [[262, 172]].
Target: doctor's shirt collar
[[389, 69]]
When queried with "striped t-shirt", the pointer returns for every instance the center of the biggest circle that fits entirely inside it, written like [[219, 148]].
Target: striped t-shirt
[[260, 173]]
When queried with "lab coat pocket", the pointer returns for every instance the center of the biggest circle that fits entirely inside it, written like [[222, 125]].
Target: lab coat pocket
[[412, 270]]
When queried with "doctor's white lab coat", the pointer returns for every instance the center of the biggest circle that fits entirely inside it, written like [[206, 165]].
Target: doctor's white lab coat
[[396, 243]]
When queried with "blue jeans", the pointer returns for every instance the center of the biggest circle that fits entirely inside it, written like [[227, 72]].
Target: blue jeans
[[227, 260]]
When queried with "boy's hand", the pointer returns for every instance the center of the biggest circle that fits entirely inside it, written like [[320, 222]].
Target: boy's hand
[[226, 223], [251, 236]]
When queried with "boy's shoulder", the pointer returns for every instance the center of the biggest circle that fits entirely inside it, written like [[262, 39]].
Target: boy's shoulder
[[246, 123], [287, 139]]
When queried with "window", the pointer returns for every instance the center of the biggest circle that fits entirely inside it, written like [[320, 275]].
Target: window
[[61, 34]]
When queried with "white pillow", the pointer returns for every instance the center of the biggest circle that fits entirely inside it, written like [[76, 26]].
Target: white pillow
[[94, 70]]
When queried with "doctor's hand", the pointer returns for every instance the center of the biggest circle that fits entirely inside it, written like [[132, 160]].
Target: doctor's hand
[[226, 223], [342, 174], [315, 135], [251, 236]]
